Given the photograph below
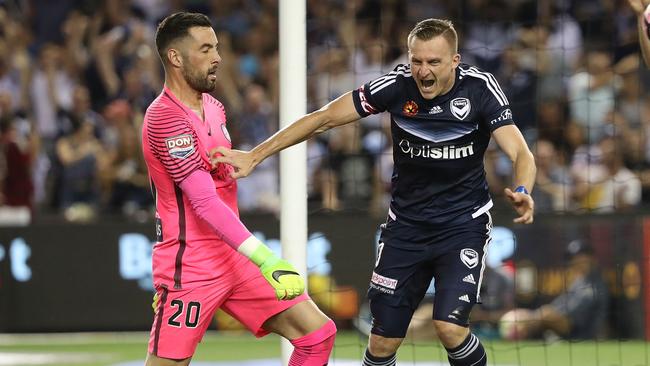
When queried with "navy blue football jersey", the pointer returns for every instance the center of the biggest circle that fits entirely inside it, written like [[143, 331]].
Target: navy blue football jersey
[[438, 144]]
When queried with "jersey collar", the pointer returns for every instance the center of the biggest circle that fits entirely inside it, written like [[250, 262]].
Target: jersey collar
[[188, 111]]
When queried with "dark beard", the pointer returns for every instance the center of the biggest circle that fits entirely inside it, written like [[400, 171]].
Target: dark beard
[[198, 83]]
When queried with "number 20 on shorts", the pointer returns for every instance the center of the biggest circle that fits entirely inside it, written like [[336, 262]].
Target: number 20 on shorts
[[191, 314]]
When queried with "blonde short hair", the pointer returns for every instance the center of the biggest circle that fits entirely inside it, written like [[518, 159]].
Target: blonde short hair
[[430, 28]]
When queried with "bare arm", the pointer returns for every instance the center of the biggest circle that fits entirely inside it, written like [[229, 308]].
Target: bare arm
[[639, 7], [337, 113], [543, 318], [644, 41], [104, 48], [513, 144]]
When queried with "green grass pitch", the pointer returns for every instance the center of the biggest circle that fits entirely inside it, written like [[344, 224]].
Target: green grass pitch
[[105, 349]]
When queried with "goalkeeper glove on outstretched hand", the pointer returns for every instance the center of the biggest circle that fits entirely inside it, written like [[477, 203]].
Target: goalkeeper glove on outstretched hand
[[283, 277], [279, 273]]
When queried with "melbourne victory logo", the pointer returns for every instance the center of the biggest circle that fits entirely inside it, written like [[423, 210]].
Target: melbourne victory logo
[[460, 108]]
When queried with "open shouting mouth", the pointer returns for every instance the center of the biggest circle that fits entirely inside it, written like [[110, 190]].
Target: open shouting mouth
[[428, 84]]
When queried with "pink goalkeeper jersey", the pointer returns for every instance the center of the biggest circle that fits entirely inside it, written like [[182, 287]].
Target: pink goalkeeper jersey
[[175, 143]]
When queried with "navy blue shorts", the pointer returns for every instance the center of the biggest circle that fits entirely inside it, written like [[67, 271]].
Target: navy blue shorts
[[409, 257]]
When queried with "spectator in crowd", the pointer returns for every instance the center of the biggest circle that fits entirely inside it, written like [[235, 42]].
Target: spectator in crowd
[[369, 63], [372, 62], [81, 157], [498, 171], [347, 174], [631, 107], [603, 183], [630, 136], [234, 17], [74, 30], [139, 81], [521, 64], [564, 45], [76, 58], [323, 28], [47, 18], [553, 180], [250, 62], [317, 186], [418, 9], [13, 76], [352, 164], [126, 183], [120, 37], [625, 37], [592, 15], [553, 124], [488, 33], [382, 177], [592, 94], [578, 313], [258, 120], [229, 82], [81, 109], [52, 87], [155, 10], [260, 191], [334, 75], [18, 150]]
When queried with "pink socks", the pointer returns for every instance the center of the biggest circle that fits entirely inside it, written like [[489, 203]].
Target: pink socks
[[314, 348]]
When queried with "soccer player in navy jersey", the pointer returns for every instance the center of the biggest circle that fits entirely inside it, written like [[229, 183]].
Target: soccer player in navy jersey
[[642, 10], [443, 114]]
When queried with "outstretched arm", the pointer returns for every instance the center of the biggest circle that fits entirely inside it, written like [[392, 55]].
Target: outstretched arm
[[337, 113], [642, 10], [512, 143]]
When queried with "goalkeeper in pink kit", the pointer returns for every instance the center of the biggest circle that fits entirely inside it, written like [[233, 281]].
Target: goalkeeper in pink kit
[[204, 257]]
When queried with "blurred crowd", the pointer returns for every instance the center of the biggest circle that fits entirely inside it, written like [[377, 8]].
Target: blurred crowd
[[78, 75]]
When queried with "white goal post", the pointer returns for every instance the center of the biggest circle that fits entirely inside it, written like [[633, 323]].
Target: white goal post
[[293, 161]]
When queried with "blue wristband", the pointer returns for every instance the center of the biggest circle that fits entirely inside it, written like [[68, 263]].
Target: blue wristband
[[521, 189]]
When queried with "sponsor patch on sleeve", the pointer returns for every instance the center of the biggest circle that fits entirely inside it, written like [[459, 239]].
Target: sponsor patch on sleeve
[[364, 101], [180, 146], [505, 116]]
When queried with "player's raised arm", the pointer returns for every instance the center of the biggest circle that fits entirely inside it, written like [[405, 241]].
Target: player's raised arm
[[336, 113], [511, 141], [642, 10]]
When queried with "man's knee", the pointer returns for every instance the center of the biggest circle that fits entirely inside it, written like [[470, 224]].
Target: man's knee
[[382, 347], [450, 334], [390, 321], [323, 337], [297, 321]]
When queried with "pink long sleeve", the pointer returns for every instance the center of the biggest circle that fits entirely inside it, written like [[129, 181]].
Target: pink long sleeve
[[200, 191]]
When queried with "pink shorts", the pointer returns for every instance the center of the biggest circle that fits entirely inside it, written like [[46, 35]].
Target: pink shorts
[[184, 315]]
